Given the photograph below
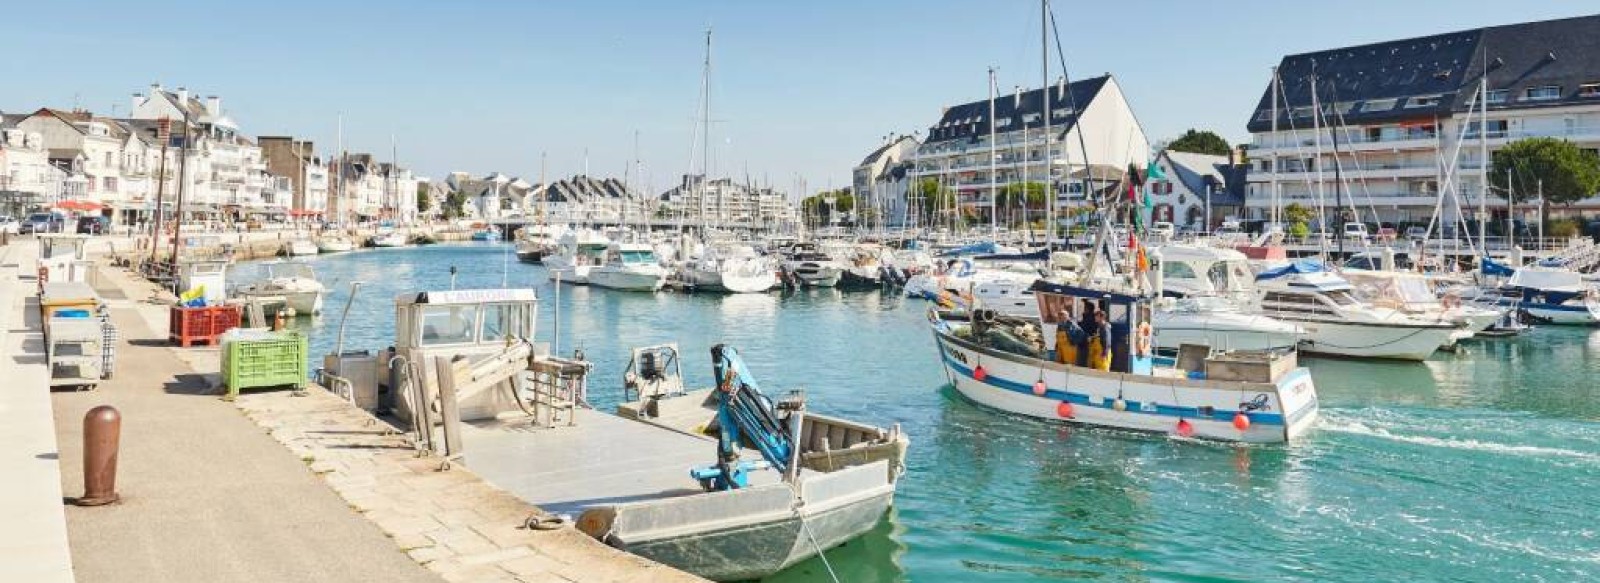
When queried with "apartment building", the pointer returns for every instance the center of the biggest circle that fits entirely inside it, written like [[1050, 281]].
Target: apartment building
[[1093, 132], [1380, 132]]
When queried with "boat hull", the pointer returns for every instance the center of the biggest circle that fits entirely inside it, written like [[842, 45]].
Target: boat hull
[[1569, 314], [335, 246], [1278, 412], [1374, 340], [732, 282], [627, 280], [304, 303], [752, 532], [301, 249]]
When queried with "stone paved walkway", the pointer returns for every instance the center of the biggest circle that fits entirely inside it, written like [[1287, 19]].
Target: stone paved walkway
[[456, 524]]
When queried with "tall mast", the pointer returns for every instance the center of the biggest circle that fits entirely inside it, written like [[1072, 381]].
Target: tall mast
[[1483, 160], [339, 186], [705, 121], [1273, 181], [994, 189], [1316, 132], [1044, 87]]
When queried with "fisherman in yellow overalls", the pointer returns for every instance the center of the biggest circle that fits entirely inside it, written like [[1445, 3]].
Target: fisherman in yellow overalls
[[1100, 343], [1069, 335]]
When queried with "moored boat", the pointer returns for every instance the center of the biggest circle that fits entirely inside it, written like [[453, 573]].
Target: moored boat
[[335, 244]]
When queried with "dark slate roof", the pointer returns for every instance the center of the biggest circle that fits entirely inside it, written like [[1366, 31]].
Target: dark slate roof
[[873, 157], [1450, 65], [580, 188], [970, 121]]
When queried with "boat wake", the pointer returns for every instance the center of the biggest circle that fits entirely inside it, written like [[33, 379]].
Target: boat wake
[[1338, 424]]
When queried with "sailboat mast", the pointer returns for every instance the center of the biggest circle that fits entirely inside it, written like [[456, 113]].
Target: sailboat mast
[[994, 187], [1044, 87], [1483, 162], [705, 128], [1273, 184]]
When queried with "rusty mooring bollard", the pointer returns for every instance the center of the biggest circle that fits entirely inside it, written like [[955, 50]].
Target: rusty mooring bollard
[[102, 430]]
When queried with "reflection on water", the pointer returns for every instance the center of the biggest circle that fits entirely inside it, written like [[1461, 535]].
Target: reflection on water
[[1468, 466]]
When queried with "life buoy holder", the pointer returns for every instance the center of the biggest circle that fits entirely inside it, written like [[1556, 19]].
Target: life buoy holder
[[1145, 341]]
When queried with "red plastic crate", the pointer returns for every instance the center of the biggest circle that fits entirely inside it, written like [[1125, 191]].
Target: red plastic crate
[[188, 326]]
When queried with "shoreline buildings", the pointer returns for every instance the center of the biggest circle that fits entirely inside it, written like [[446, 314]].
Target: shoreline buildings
[[1090, 120], [1397, 121]]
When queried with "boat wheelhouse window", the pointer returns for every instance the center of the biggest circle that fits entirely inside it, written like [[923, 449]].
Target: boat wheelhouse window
[[1177, 269], [1293, 302], [448, 324], [501, 321], [1341, 297], [638, 257]]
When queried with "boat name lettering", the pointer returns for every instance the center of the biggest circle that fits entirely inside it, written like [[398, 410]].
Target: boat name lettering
[[480, 295]]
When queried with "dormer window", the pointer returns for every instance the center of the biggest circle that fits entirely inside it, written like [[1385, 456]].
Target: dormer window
[[1589, 90], [1378, 105], [1544, 93], [1423, 101], [1497, 96]]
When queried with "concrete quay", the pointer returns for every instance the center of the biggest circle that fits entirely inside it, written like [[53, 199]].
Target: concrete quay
[[273, 487]]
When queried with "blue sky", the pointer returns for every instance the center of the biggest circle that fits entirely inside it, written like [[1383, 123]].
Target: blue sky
[[801, 90]]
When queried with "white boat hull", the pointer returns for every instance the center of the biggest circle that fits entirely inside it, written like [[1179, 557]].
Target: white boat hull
[[1374, 340], [1277, 412], [736, 282], [302, 248], [304, 303], [627, 279], [389, 241], [335, 246]]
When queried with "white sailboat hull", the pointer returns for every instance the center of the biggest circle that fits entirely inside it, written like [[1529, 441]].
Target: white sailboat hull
[[301, 248], [335, 245]]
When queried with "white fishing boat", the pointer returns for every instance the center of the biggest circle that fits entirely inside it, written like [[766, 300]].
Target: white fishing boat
[[300, 247], [1023, 368], [389, 239], [577, 252], [335, 244], [294, 281], [628, 267], [730, 268], [1338, 324]]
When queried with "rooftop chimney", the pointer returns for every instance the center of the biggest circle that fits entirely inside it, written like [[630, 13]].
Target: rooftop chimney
[[138, 98], [183, 96], [214, 105]]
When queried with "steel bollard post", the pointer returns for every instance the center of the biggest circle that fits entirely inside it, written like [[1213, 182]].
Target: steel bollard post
[[102, 430]]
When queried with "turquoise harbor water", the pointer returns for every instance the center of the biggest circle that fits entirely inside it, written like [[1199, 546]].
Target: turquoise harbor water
[[1479, 466]]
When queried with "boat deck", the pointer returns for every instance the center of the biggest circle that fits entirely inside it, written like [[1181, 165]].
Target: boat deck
[[602, 459]]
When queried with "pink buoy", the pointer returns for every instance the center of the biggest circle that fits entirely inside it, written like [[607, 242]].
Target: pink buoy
[[1185, 428], [979, 373], [1241, 421], [1039, 388], [1064, 410]]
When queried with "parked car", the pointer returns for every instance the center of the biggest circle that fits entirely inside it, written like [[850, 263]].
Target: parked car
[[93, 225], [10, 225], [41, 223], [1356, 231]]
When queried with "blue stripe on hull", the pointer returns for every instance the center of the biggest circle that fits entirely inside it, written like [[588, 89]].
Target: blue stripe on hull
[[1106, 403]]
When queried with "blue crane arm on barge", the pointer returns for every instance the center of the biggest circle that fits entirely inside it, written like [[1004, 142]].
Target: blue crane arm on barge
[[746, 415]]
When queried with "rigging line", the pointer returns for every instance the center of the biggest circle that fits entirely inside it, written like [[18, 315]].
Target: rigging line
[[1355, 158], [1294, 132], [1072, 102]]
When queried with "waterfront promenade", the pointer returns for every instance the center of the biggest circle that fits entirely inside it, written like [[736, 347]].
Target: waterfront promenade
[[272, 488]]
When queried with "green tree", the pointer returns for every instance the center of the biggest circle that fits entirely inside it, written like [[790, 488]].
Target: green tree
[[455, 205], [1201, 142], [1564, 172], [1299, 218], [817, 209], [424, 202], [929, 198]]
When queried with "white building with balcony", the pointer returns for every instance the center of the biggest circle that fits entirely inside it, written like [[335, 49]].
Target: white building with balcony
[[26, 176], [1375, 132], [225, 173], [1091, 123], [723, 203]]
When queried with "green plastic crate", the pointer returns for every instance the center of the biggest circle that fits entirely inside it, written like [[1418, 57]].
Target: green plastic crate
[[274, 361]]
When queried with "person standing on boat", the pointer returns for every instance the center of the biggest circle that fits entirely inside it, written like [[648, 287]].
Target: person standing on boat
[[1087, 328], [1100, 343], [1070, 337]]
